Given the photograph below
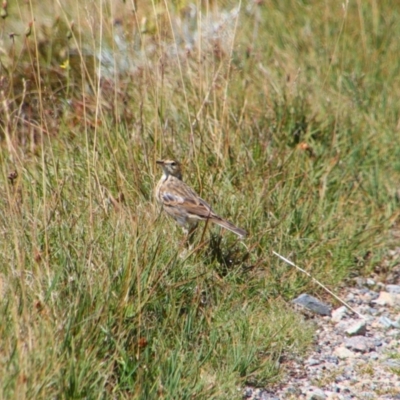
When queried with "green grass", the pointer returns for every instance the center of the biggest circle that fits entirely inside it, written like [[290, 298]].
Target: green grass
[[286, 116]]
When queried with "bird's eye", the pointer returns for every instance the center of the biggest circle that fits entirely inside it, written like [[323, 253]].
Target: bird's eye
[[173, 164]]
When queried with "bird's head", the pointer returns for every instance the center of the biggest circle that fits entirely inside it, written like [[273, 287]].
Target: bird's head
[[171, 167]]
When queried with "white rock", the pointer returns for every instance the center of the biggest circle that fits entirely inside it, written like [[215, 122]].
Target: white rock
[[339, 314], [343, 353], [370, 282], [387, 299]]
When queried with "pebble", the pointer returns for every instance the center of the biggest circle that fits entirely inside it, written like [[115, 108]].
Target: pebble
[[342, 353], [339, 314], [313, 361], [350, 297], [366, 395], [387, 299], [392, 363], [373, 355], [393, 289], [332, 359], [386, 322], [359, 343], [316, 394], [371, 311], [357, 328]]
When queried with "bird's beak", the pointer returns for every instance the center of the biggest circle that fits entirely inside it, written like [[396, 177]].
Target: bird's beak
[[160, 162]]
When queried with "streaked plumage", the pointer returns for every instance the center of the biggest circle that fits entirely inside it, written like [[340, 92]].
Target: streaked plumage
[[183, 204]]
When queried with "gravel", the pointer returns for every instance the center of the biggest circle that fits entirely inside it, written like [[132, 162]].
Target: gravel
[[353, 357]]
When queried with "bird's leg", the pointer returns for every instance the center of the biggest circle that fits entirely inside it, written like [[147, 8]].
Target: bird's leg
[[187, 242], [189, 236]]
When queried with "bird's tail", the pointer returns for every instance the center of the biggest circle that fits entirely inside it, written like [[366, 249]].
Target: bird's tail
[[228, 225]]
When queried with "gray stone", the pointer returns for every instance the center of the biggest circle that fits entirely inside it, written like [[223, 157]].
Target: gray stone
[[393, 289], [332, 359], [394, 363], [311, 303], [247, 393], [359, 344], [396, 324], [371, 311], [293, 390], [313, 361], [367, 395], [258, 394], [264, 395], [316, 394], [386, 322], [342, 326], [373, 355], [357, 328]]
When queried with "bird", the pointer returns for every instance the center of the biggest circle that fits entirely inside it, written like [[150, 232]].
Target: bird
[[183, 204]]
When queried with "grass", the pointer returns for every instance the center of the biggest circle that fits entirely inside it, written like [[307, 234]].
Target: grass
[[285, 115]]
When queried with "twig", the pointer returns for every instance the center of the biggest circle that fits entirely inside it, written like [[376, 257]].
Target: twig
[[320, 284]]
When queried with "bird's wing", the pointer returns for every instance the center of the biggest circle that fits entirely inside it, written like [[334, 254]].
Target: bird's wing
[[186, 199]]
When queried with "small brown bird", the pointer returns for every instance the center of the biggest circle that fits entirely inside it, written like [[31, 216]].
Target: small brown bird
[[183, 204]]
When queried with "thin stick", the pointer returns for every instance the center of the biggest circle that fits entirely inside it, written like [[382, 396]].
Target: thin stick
[[320, 284]]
